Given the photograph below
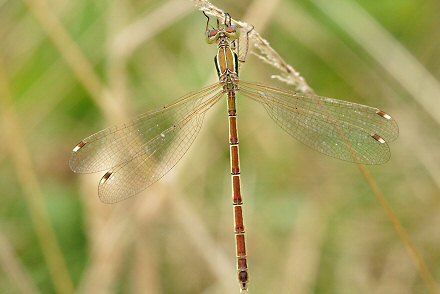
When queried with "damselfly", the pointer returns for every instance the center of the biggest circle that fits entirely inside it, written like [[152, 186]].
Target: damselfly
[[140, 152]]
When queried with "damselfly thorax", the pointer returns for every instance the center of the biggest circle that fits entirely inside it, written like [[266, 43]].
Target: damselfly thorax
[[226, 60]]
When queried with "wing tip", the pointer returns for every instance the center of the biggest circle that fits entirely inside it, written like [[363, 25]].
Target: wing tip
[[388, 117], [72, 161], [105, 194], [72, 165]]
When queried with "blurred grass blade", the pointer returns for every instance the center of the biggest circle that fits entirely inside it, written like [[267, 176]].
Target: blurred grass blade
[[403, 234], [70, 51], [143, 29], [14, 269], [32, 190], [387, 51]]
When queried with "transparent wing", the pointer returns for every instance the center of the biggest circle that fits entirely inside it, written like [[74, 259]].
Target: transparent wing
[[140, 152], [116, 145], [341, 129]]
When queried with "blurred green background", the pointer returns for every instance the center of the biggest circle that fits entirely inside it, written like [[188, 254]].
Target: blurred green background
[[312, 222]]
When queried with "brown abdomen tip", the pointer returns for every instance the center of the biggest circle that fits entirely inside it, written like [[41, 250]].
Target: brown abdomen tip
[[243, 277]]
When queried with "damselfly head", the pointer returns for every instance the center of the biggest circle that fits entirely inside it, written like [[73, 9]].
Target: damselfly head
[[230, 32], [223, 31], [212, 36]]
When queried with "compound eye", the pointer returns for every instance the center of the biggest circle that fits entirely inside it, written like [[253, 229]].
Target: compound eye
[[231, 30], [211, 36]]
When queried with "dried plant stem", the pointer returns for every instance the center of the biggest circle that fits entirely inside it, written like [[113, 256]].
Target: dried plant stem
[[32, 191], [380, 197], [293, 18], [410, 74], [264, 51], [403, 234]]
